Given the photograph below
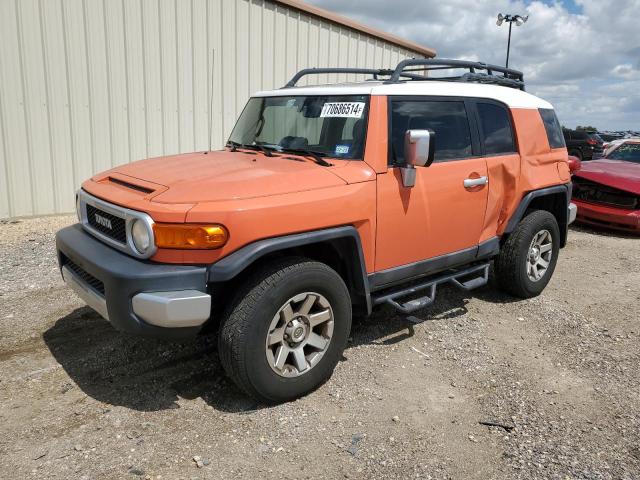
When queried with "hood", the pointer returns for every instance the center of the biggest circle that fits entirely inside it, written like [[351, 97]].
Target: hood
[[613, 173], [225, 175]]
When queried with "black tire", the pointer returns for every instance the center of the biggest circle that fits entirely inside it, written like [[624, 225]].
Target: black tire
[[510, 267], [244, 329]]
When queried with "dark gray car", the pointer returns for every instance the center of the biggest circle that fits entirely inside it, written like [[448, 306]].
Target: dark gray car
[[582, 144]]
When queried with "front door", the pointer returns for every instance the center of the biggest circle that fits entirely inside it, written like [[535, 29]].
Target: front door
[[444, 212]]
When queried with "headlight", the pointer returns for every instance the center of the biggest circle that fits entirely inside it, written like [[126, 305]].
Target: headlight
[[190, 236], [141, 236]]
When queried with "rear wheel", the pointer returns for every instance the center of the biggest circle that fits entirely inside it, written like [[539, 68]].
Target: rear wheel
[[286, 330], [576, 153], [528, 257]]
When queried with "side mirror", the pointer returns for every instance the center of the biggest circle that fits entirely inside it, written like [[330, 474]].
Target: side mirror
[[418, 152]]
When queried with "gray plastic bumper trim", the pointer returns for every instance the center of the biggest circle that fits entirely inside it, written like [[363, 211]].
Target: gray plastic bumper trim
[[182, 308], [573, 212]]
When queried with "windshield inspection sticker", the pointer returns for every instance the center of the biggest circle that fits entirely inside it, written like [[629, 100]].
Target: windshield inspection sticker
[[342, 149], [343, 109]]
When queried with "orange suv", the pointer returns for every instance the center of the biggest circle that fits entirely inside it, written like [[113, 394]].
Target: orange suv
[[327, 201]]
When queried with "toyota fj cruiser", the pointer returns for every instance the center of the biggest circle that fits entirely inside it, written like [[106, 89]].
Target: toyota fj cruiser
[[327, 201]]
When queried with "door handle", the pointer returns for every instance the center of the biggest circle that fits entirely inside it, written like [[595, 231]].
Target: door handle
[[475, 182]]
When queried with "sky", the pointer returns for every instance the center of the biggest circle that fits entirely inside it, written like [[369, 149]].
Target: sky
[[583, 56]]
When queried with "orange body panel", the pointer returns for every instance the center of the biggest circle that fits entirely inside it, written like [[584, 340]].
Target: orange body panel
[[377, 146], [101, 187], [437, 216], [511, 177], [253, 219], [503, 198], [257, 197], [540, 163], [252, 195]]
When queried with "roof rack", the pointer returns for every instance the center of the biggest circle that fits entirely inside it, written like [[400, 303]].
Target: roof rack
[[414, 69], [509, 78], [376, 72]]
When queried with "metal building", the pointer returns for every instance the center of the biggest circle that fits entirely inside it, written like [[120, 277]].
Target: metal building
[[89, 84]]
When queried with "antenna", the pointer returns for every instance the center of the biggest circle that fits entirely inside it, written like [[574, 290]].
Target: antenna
[[213, 59]]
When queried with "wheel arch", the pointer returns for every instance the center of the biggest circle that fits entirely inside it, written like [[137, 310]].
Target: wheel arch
[[553, 199], [338, 247]]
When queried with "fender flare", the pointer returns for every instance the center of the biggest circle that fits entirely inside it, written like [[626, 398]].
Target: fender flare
[[233, 264], [564, 189]]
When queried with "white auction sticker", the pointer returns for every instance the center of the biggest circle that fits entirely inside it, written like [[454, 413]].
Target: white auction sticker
[[343, 109]]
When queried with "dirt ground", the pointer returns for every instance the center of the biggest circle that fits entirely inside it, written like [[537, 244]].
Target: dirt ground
[[560, 374]]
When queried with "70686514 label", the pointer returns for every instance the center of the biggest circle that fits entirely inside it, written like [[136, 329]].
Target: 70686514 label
[[343, 109]]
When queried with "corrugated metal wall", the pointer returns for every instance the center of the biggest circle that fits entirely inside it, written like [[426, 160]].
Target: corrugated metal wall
[[89, 84]]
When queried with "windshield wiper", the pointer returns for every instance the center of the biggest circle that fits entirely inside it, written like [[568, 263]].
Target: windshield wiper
[[317, 156], [264, 150], [236, 145], [267, 150]]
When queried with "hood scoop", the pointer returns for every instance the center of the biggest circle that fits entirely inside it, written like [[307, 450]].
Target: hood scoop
[[130, 184]]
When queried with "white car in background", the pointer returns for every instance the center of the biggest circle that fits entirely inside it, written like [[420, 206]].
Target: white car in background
[[612, 145]]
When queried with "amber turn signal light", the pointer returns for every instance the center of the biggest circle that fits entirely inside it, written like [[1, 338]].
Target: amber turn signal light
[[189, 236]]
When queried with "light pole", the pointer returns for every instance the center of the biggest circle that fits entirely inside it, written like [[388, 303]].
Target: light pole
[[518, 19]]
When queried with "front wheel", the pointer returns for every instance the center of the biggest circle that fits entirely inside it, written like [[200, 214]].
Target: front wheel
[[528, 257], [286, 330]]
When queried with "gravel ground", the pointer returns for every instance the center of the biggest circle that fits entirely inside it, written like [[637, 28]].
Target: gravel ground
[[558, 374]]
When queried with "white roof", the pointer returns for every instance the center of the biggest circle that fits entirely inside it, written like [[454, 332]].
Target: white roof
[[512, 97]]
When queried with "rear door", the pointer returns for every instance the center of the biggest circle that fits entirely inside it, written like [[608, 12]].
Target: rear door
[[442, 213], [498, 146]]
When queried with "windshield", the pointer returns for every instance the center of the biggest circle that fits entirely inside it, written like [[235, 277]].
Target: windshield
[[629, 152], [332, 126]]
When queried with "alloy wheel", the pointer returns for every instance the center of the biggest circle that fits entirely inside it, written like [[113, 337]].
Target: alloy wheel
[[539, 255], [299, 334]]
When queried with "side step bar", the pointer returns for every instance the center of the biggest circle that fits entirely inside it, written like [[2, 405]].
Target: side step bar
[[410, 306]]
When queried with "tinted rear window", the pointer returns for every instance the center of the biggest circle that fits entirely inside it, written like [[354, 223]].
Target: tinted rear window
[[495, 125], [552, 126]]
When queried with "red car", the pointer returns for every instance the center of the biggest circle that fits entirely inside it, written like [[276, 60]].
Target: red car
[[607, 191]]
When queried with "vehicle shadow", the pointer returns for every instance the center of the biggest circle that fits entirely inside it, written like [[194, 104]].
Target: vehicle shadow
[[140, 373], [149, 375]]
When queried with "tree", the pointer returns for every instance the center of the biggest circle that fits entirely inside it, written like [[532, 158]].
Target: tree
[[586, 128]]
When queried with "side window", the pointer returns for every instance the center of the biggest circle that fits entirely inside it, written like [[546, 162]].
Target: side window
[[552, 126], [447, 119], [495, 127]]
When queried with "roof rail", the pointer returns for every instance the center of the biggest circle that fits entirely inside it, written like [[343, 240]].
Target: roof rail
[[363, 71], [509, 78], [478, 72]]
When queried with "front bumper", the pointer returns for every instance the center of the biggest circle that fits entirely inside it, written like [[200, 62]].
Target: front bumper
[[608, 217], [135, 296]]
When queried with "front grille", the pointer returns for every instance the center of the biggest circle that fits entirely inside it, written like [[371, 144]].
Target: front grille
[[85, 276], [107, 224], [594, 192]]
